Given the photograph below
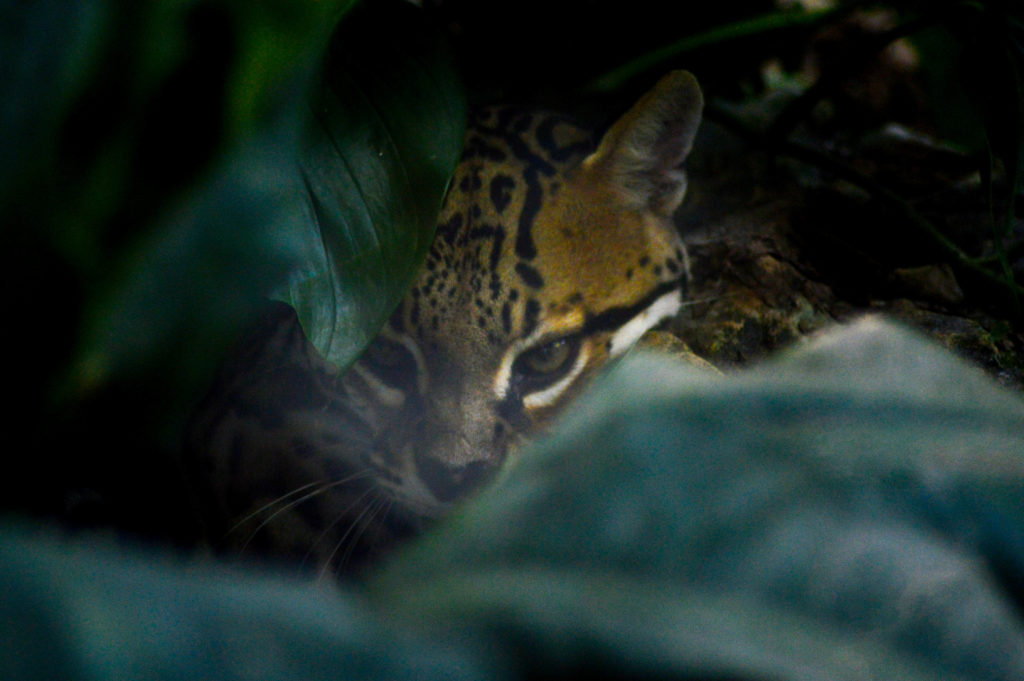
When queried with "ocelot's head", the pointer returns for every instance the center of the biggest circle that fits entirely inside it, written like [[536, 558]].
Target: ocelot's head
[[552, 256]]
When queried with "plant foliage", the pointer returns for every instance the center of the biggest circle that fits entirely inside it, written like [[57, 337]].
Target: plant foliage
[[810, 520], [851, 511]]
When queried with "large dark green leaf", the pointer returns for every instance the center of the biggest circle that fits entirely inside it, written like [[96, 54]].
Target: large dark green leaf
[[141, 204], [187, 288], [389, 122], [38, 82], [171, 164], [333, 209], [164, 294]]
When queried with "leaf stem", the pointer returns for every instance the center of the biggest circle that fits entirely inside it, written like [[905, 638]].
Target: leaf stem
[[764, 23]]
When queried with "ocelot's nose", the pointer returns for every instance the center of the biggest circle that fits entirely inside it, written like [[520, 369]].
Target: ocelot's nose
[[450, 482]]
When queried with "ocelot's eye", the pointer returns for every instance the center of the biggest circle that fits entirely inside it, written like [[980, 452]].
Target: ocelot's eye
[[545, 364], [391, 362]]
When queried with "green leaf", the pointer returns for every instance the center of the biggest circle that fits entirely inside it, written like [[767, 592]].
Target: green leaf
[[770, 22], [276, 37], [827, 516], [182, 293], [332, 208], [96, 612], [388, 127], [38, 82], [849, 511]]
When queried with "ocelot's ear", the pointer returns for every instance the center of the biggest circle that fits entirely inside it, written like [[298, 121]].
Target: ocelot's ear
[[643, 152]]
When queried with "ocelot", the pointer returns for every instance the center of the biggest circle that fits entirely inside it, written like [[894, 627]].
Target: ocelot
[[552, 256]]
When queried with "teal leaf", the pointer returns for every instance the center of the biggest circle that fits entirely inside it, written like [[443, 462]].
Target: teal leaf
[[91, 611], [827, 516], [388, 123], [38, 82], [331, 205], [184, 291], [848, 511]]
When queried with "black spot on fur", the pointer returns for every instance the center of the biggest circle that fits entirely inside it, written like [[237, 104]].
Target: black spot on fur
[[534, 194], [530, 316], [477, 147], [525, 248], [615, 317], [447, 231], [496, 234], [501, 192], [529, 275], [506, 318]]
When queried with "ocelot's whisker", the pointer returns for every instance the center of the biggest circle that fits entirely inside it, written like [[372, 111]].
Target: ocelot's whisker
[[379, 508], [272, 503], [701, 301], [358, 501], [320, 488], [343, 539]]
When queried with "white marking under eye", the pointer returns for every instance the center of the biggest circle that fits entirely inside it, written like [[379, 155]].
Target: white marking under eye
[[393, 397], [504, 375], [567, 323], [387, 395], [662, 308], [548, 396], [421, 365]]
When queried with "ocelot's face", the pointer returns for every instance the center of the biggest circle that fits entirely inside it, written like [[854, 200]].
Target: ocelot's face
[[550, 259]]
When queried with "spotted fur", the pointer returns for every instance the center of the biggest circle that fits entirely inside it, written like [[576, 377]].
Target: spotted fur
[[550, 258]]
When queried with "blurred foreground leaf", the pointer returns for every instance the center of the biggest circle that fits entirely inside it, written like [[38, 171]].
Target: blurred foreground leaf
[[852, 510], [72, 612]]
